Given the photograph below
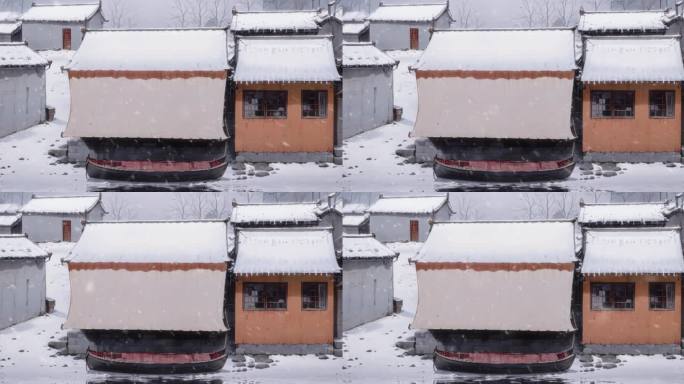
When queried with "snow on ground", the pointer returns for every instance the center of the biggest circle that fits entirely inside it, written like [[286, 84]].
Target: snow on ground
[[371, 165]]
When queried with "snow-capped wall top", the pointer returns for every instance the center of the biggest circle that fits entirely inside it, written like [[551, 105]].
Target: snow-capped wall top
[[9, 208], [408, 204], [354, 28], [354, 208], [61, 204], [633, 59], [500, 242], [500, 50], [365, 247], [274, 213], [8, 16], [8, 220], [152, 242], [285, 59], [19, 247], [153, 50], [285, 251], [627, 21], [275, 21], [365, 55], [633, 251], [622, 213], [68, 13], [408, 12], [354, 220], [19, 55], [8, 28]]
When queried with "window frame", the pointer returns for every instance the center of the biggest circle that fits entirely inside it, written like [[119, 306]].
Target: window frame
[[650, 295], [592, 307], [325, 110], [591, 105], [665, 92], [245, 285], [325, 295], [246, 92]]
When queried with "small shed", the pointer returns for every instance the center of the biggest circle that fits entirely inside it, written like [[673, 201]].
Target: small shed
[[631, 290], [284, 291], [368, 280], [612, 23], [623, 215], [169, 316], [356, 31], [134, 89], [632, 99], [10, 27], [22, 280], [356, 219], [60, 218], [60, 26], [10, 224], [22, 89], [494, 83], [407, 26], [285, 99], [368, 84], [407, 218], [520, 318]]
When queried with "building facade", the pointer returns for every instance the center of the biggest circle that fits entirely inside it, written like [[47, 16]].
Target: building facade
[[55, 219], [407, 219], [55, 27], [407, 26]]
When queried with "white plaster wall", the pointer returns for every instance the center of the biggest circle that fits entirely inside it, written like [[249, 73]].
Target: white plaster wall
[[501, 108], [502, 300], [368, 291], [396, 36], [22, 98], [22, 290], [48, 228], [133, 108], [397, 228], [164, 301], [48, 36], [368, 99]]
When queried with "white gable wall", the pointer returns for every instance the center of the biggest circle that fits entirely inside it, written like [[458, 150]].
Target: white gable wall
[[368, 99], [22, 290], [22, 98], [368, 291]]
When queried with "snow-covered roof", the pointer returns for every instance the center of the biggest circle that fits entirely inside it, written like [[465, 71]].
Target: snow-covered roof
[[354, 208], [6, 208], [633, 251], [633, 59], [622, 213], [19, 247], [354, 28], [153, 50], [9, 28], [67, 12], [275, 21], [19, 55], [351, 16], [365, 55], [181, 242], [285, 251], [408, 12], [7, 220], [285, 59], [624, 21], [500, 50], [365, 247], [408, 204], [9, 16], [352, 220], [60, 204], [500, 242], [275, 213]]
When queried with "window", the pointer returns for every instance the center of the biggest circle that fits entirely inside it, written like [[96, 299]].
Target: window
[[265, 104], [315, 104], [264, 296], [314, 295], [612, 296], [612, 104], [661, 104], [661, 295]]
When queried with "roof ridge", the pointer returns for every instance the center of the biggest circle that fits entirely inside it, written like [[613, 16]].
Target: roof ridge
[[507, 29], [169, 29], [287, 229], [197, 221], [532, 221], [412, 5], [675, 229], [628, 11]]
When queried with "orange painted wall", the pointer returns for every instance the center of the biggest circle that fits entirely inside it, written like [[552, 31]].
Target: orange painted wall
[[638, 134], [291, 134], [639, 326], [291, 326]]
